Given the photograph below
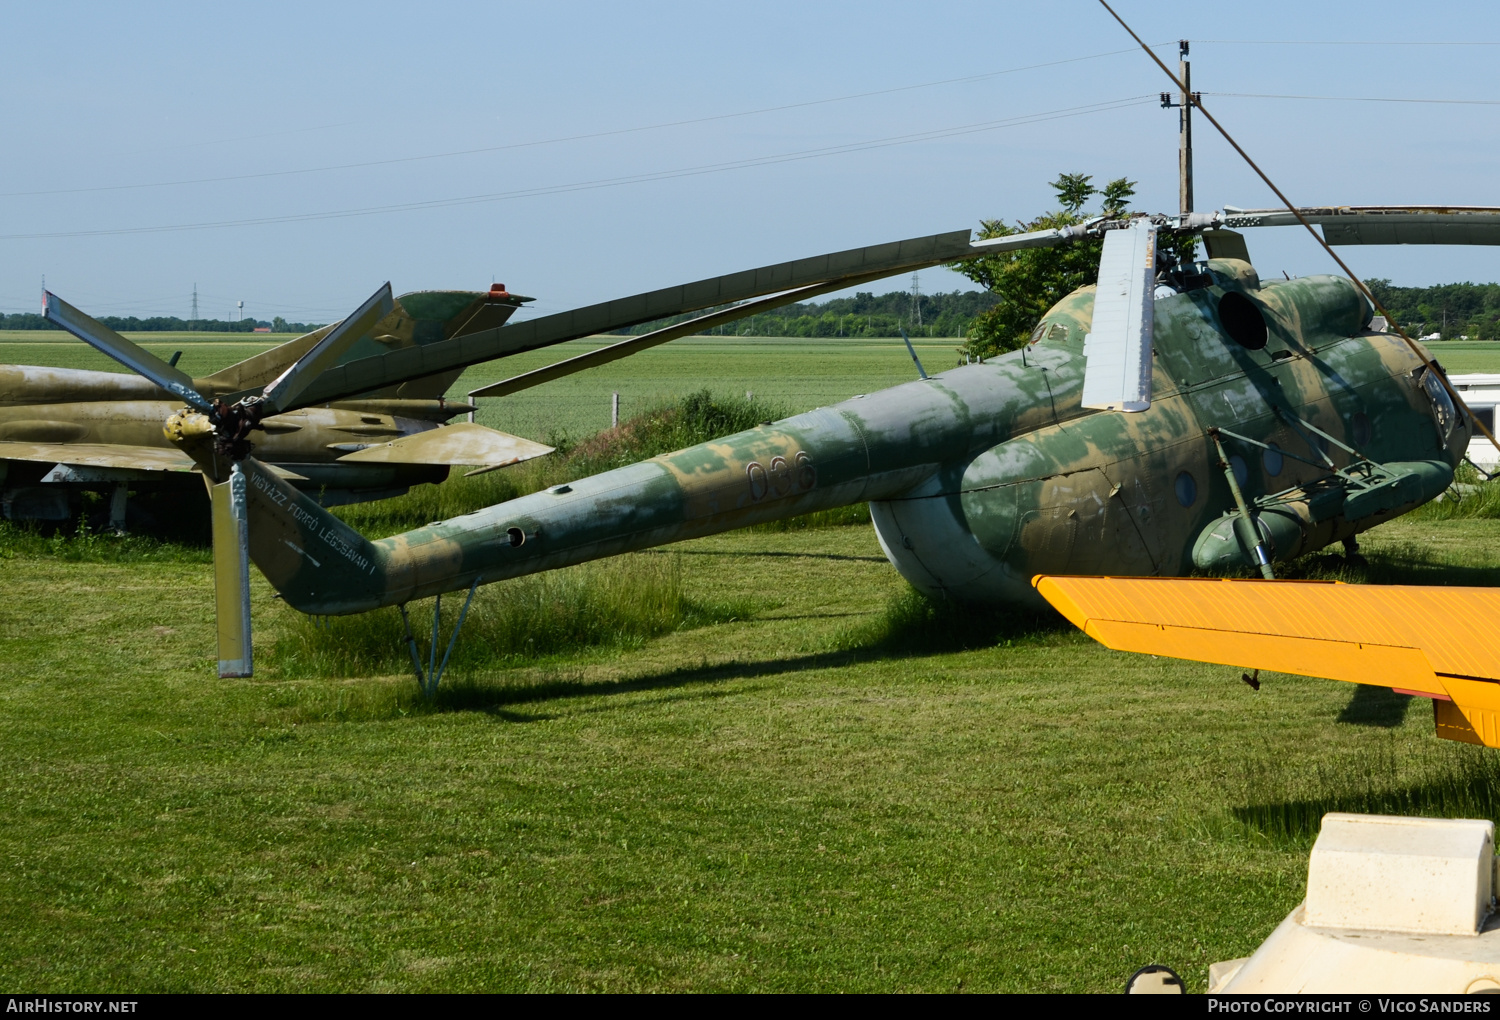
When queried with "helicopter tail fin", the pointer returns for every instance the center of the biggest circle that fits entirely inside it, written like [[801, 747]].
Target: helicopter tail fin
[[318, 563]]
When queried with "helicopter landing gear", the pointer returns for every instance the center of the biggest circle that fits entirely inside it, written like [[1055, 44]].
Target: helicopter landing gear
[[1351, 553], [117, 498]]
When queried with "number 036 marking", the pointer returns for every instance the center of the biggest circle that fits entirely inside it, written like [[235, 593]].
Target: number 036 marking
[[779, 478]]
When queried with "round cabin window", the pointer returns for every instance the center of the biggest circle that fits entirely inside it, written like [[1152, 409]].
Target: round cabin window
[[1242, 321], [1361, 430], [1241, 472], [1272, 460], [1187, 489]]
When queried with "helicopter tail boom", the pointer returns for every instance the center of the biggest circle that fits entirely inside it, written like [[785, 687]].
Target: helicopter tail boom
[[815, 461]]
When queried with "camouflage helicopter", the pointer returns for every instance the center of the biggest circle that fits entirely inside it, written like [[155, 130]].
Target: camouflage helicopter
[[1171, 418], [65, 430]]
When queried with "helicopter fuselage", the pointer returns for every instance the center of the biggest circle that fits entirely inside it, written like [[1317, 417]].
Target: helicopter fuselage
[[981, 477]]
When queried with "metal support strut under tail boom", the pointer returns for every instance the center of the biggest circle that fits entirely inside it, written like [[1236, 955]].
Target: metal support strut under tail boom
[[428, 681]]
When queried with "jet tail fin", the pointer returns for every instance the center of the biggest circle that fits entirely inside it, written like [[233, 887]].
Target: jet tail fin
[[416, 319], [260, 369]]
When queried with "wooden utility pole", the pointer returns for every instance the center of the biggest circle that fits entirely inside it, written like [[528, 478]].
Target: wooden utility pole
[[1184, 103], [1185, 131]]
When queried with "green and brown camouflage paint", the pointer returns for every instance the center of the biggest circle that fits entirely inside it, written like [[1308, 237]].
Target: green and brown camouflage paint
[[978, 478]]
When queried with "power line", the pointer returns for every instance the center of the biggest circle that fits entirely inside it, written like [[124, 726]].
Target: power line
[[611, 182], [563, 138], [1355, 99], [1332, 42]]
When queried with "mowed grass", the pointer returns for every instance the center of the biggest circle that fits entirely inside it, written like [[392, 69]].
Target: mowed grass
[[837, 789], [794, 776]]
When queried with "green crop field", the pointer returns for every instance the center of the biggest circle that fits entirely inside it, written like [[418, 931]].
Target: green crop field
[[797, 778], [797, 374]]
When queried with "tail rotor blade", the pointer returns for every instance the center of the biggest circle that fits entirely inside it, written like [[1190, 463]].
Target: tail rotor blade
[[96, 334], [284, 390], [232, 575]]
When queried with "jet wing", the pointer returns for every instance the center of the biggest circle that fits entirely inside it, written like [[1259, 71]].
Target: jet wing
[[462, 443], [1437, 642], [107, 455]]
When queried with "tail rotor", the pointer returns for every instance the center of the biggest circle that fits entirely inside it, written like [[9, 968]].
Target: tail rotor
[[228, 422]]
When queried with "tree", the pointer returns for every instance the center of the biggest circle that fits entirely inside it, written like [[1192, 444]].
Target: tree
[[1031, 281]]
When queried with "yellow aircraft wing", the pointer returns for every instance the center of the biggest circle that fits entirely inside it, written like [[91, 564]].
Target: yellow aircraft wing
[[107, 455], [1437, 642]]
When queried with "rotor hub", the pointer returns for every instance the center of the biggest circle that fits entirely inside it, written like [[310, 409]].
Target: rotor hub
[[233, 424]]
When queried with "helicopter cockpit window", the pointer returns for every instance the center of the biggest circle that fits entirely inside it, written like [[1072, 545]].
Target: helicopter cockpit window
[[1242, 321], [1442, 404]]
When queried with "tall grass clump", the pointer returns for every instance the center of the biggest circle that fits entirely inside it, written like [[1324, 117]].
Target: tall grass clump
[[84, 544], [1287, 806], [1470, 499], [687, 421], [662, 428], [618, 603]]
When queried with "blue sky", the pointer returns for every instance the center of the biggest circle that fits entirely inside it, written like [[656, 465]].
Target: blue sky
[[122, 120]]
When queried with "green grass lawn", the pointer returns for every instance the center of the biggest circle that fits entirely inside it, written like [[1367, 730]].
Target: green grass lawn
[[1463, 356], [800, 784], [770, 802]]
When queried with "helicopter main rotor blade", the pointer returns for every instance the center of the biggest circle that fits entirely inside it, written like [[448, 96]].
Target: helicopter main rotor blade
[[1117, 373], [231, 538], [134, 357], [636, 344], [1383, 224], [283, 391], [841, 269]]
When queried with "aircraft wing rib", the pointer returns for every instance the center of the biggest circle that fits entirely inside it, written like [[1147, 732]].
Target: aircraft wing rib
[[1430, 640], [1117, 373]]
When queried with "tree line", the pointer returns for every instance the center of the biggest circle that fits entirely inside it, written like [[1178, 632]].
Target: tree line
[[165, 324], [1454, 310], [866, 314]]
